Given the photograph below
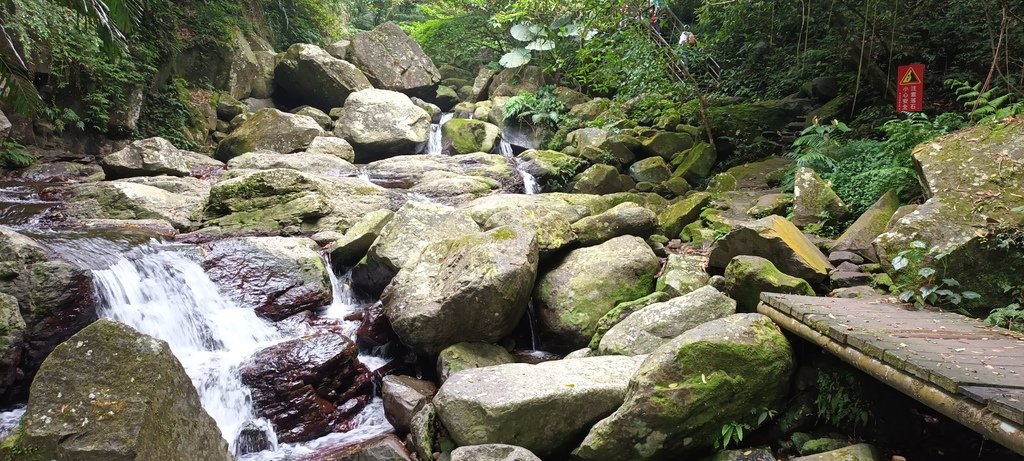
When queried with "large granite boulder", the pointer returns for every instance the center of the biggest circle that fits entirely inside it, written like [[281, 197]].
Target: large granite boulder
[[859, 236], [551, 226], [353, 245], [332, 145], [290, 201], [382, 123], [44, 301], [157, 156], [275, 276], [178, 201], [814, 200], [619, 313], [650, 327], [551, 169], [410, 171], [112, 393], [746, 277], [403, 396], [309, 75], [464, 356], [414, 226], [682, 212], [777, 240], [466, 136], [511, 82], [623, 219], [393, 61], [584, 285], [470, 288], [308, 387], [689, 387], [493, 452], [682, 274], [972, 217], [525, 405], [307, 162], [270, 129]]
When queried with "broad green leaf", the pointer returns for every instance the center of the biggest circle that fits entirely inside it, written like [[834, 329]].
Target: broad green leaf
[[515, 58], [523, 32], [541, 44]]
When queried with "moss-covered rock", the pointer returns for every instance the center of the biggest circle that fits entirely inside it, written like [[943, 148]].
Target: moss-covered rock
[[552, 169], [747, 121], [306, 162], [682, 274], [582, 287], [332, 145], [769, 204], [814, 200], [590, 110], [648, 328], [777, 240], [623, 219], [859, 452], [972, 216], [381, 124], [746, 277], [619, 313], [467, 136], [722, 182], [113, 393], [651, 169], [393, 61], [682, 212], [761, 175], [463, 289], [178, 201], [157, 156], [511, 82], [859, 236], [731, 364], [666, 144], [524, 405], [598, 179], [493, 452], [350, 248], [269, 129], [465, 356], [695, 164], [551, 226]]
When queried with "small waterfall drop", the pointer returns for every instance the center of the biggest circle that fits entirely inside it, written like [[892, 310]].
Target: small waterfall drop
[[530, 185], [435, 145]]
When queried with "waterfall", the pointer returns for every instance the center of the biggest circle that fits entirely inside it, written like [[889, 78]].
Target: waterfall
[[161, 290], [530, 185], [434, 144]]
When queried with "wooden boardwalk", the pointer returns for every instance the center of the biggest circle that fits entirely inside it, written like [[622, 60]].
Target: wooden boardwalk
[[962, 367]]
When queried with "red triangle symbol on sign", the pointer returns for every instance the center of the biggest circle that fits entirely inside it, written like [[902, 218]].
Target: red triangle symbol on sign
[[910, 78]]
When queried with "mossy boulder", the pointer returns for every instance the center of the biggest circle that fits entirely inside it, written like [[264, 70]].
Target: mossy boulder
[[598, 145], [682, 212], [730, 364], [722, 182], [769, 204], [524, 405], [623, 219], [583, 286], [651, 169], [393, 61], [858, 452], [814, 200], [859, 236], [666, 144], [464, 356], [552, 227], [745, 122], [619, 313], [746, 277], [409, 171], [332, 145], [511, 82], [777, 240], [275, 276], [695, 164], [113, 393], [414, 226], [762, 174], [381, 124], [307, 162], [277, 200], [466, 136], [270, 129], [178, 201], [306, 74], [648, 328], [481, 82], [463, 289], [682, 274], [972, 216], [493, 452], [552, 169], [590, 110], [12, 324], [351, 247], [598, 179], [157, 156]]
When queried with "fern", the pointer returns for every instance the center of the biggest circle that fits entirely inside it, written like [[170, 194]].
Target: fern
[[14, 155], [817, 145], [985, 106]]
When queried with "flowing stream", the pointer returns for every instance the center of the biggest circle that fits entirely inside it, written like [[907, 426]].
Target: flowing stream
[[162, 290], [435, 145], [530, 185]]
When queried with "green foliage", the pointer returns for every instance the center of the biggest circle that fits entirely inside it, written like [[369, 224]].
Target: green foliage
[[540, 108], [624, 64], [984, 106], [304, 21], [1010, 316], [456, 41], [817, 145], [841, 399], [169, 114], [929, 286], [14, 155], [732, 433]]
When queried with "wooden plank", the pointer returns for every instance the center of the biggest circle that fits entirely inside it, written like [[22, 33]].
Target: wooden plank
[[1008, 403]]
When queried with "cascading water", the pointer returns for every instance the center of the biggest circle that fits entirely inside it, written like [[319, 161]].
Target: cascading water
[[530, 185], [434, 144], [161, 289]]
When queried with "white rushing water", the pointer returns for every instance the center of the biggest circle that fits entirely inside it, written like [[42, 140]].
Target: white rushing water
[[434, 144], [161, 290], [530, 185]]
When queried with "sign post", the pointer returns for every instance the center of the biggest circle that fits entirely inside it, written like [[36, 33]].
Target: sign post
[[910, 88]]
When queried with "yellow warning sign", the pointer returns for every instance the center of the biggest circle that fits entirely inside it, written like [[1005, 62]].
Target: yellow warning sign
[[910, 78]]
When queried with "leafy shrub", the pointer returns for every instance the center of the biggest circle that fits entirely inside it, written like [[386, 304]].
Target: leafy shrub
[[817, 145], [540, 108], [624, 64], [168, 113], [456, 41], [841, 399], [14, 155]]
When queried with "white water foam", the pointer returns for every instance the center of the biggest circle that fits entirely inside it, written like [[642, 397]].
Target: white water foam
[[435, 145], [530, 185]]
